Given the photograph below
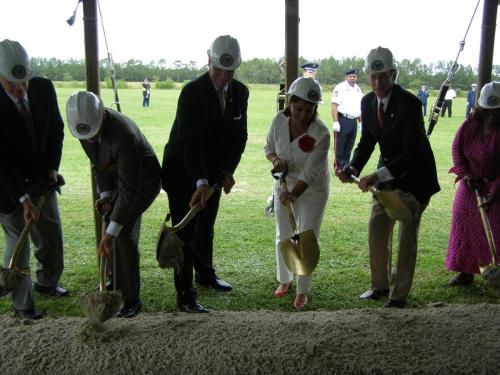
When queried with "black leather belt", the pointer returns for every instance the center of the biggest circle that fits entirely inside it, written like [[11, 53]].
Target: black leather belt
[[347, 116]]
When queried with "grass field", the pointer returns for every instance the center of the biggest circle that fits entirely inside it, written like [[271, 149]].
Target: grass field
[[244, 245]]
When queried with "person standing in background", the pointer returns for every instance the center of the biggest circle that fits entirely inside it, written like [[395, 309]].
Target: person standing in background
[[31, 141], [310, 70], [471, 100], [346, 110], [448, 101], [423, 94], [146, 92]]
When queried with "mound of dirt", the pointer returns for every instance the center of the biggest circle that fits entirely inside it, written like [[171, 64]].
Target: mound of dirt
[[439, 338]]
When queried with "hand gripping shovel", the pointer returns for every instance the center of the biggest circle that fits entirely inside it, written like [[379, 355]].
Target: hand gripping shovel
[[11, 277], [491, 271], [300, 252], [396, 203], [102, 305], [169, 247]]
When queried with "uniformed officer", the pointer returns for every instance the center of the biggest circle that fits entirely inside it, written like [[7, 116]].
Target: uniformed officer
[[310, 70], [346, 109]]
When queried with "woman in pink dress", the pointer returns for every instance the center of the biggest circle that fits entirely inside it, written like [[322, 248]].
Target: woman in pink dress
[[476, 159]]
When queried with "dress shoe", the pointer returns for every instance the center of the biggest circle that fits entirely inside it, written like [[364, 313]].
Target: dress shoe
[[192, 307], [461, 279], [215, 283], [300, 301], [374, 294], [394, 303], [282, 290], [54, 291], [32, 314], [129, 310]]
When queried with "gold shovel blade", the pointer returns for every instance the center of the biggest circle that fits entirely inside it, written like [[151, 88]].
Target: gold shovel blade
[[394, 205], [301, 256]]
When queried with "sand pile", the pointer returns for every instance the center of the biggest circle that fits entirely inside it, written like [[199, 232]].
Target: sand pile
[[444, 339]]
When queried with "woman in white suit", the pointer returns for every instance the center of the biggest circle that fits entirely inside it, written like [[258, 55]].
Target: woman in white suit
[[299, 141]]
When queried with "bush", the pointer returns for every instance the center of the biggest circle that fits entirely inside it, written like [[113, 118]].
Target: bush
[[167, 84]]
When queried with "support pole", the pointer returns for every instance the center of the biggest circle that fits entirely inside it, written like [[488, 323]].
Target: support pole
[[291, 42], [487, 44], [92, 71]]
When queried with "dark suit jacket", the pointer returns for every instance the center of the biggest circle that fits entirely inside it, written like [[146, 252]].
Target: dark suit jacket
[[404, 148], [20, 164], [125, 164], [203, 142]]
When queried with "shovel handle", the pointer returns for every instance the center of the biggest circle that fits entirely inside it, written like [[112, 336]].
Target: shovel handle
[[103, 265], [289, 208], [193, 211], [371, 188], [24, 234], [487, 227]]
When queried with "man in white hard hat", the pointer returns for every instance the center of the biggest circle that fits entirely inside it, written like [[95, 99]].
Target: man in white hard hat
[[206, 142], [128, 174], [392, 117], [31, 139]]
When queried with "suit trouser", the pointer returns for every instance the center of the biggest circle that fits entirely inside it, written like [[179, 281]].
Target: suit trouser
[[380, 228], [447, 103], [197, 237], [308, 211], [46, 236], [126, 244], [344, 141]]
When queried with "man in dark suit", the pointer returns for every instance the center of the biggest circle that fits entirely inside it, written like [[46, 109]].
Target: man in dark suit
[[392, 117], [31, 138], [206, 142], [128, 174]]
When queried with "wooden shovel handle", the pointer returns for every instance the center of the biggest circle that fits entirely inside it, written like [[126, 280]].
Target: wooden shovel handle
[[289, 208], [487, 227], [192, 212], [24, 234], [371, 188]]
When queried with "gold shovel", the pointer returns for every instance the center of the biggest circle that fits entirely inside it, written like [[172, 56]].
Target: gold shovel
[[393, 203], [300, 252], [491, 271]]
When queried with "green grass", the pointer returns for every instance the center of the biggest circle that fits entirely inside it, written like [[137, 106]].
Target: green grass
[[244, 243]]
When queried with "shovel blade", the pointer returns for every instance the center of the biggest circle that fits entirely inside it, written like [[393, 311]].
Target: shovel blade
[[394, 205], [301, 255], [10, 279]]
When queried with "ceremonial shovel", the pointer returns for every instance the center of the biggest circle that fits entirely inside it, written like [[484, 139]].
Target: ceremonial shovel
[[393, 203], [300, 252], [491, 271]]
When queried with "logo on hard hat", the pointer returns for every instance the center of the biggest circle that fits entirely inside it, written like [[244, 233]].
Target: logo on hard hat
[[377, 65], [493, 101], [313, 95], [83, 129], [18, 72], [226, 60]]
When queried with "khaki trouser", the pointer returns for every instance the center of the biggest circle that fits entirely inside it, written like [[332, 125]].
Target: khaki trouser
[[380, 228]]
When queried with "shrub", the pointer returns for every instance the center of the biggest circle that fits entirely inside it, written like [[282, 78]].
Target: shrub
[[167, 84]]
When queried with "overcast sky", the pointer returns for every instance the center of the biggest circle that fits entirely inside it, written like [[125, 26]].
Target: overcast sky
[[184, 29]]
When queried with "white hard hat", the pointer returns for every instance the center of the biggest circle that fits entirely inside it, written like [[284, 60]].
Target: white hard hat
[[225, 53], [306, 88], [84, 112], [489, 97], [15, 64], [379, 60]]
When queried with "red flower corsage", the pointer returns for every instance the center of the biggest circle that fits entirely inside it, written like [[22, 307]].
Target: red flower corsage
[[306, 143]]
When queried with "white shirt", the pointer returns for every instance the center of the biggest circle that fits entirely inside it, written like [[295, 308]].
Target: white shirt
[[311, 167], [348, 98], [450, 94]]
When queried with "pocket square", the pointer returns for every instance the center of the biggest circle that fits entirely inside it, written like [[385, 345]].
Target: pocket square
[[237, 117]]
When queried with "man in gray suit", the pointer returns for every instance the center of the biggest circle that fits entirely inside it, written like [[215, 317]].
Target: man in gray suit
[[127, 173]]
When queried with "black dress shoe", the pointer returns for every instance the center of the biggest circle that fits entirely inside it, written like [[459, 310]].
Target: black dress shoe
[[461, 279], [32, 314], [215, 283], [54, 291], [129, 310], [192, 307], [374, 294], [394, 303]]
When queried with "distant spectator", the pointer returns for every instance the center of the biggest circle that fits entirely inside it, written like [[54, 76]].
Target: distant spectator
[[310, 70], [423, 94], [471, 100], [450, 95], [146, 92]]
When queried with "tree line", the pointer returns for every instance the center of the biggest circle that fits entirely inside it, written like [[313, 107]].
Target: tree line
[[265, 71]]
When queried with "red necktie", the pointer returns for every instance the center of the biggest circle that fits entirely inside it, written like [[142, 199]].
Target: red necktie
[[222, 100], [28, 121], [381, 114]]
